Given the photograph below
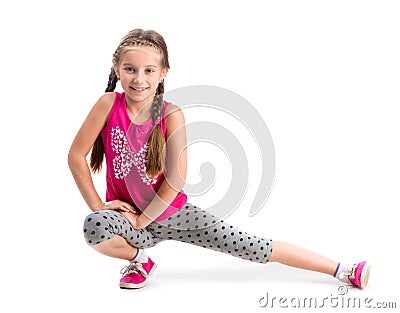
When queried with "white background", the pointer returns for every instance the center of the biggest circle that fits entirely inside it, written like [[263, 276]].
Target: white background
[[324, 75]]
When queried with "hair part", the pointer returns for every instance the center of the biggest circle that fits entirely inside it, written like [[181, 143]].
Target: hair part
[[156, 140]]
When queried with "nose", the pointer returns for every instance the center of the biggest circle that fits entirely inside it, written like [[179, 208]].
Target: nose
[[139, 77]]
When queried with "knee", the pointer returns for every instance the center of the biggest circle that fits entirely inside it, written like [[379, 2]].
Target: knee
[[96, 228]]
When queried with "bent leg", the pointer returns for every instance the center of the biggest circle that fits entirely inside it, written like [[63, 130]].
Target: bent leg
[[110, 233], [116, 247]]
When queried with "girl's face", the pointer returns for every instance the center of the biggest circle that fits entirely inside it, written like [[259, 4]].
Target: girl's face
[[140, 71]]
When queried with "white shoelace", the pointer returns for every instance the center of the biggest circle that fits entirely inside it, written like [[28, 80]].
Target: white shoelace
[[134, 267], [346, 274]]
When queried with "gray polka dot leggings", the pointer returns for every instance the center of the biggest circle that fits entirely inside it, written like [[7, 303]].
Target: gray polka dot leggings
[[190, 224]]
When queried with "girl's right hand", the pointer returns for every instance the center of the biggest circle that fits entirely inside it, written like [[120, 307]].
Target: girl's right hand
[[117, 205]]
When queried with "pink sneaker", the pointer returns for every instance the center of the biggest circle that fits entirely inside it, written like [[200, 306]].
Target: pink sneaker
[[360, 274], [357, 274], [136, 273]]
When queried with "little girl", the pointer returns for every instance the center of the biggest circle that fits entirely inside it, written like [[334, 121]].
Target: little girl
[[144, 141]]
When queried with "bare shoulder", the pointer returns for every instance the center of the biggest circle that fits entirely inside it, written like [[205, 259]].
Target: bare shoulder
[[175, 118], [98, 115], [174, 112], [102, 107], [93, 124], [106, 101]]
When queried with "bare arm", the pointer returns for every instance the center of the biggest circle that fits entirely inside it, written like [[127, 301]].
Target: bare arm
[[177, 167], [80, 148]]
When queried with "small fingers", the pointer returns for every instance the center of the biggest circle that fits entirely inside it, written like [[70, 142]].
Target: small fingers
[[129, 208], [121, 206]]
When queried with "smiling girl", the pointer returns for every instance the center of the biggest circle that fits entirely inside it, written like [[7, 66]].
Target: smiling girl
[[143, 138]]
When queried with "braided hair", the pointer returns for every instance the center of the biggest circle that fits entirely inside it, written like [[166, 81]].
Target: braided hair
[[156, 140]]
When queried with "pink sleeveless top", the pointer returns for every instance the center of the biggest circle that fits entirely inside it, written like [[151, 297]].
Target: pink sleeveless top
[[125, 147]]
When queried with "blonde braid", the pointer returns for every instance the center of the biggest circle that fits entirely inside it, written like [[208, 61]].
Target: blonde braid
[[156, 151], [112, 81]]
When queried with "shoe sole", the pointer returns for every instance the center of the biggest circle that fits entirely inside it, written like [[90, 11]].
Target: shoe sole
[[365, 274], [137, 286], [132, 286]]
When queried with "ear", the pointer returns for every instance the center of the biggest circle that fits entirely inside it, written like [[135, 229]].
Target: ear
[[163, 73]]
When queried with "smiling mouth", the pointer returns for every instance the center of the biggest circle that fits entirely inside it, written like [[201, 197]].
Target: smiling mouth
[[139, 88]]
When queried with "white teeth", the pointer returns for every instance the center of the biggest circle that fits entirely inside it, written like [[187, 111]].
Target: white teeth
[[139, 89]]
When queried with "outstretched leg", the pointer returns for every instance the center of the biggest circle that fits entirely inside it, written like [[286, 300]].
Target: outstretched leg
[[196, 226], [299, 257]]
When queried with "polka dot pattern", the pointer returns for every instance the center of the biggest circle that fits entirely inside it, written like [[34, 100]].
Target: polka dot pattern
[[103, 225], [190, 224]]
